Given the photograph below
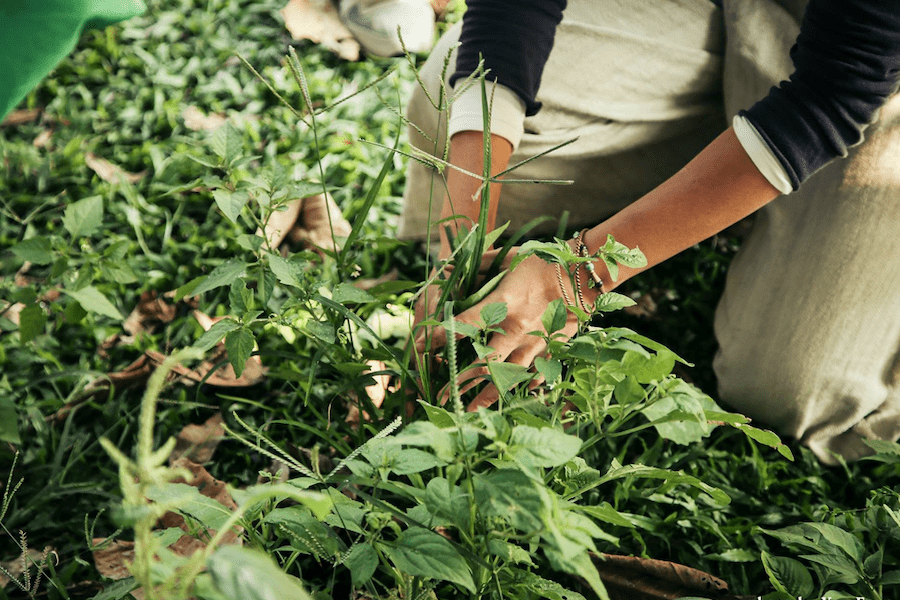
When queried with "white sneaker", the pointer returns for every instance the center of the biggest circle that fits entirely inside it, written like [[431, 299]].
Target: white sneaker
[[374, 24]]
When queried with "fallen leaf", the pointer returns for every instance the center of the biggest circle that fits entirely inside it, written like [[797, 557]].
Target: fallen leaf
[[277, 472], [16, 567], [318, 21], [109, 172], [43, 139], [20, 117], [198, 442], [112, 560], [635, 578], [195, 120], [151, 311], [645, 307]]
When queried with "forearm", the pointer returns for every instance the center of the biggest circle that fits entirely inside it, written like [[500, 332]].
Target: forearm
[[463, 198], [719, 187]]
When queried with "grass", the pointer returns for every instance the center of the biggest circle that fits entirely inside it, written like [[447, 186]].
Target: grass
[[122, 96]]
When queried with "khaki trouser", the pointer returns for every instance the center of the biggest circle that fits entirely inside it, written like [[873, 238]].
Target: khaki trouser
[[809, 324]]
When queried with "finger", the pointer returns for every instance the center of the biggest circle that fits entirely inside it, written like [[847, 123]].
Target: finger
[[487, 397]]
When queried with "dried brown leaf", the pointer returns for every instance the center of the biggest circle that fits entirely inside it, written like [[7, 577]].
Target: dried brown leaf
[[198, 442], [318, 21], [321, 217], [112, 560], [20, 117], [635, 578], [110, 172], [195, 120], [43, 139]]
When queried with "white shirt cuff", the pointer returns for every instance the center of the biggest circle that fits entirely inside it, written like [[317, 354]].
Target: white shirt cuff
[[761, 155], [507, 112]]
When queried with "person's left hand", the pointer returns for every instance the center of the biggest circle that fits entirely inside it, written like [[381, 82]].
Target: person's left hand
[[526, 290]]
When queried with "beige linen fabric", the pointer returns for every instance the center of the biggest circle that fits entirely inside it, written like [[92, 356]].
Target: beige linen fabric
[[808, 325]]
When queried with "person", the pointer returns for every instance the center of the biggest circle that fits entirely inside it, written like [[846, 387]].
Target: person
[[375, 24], [688, 116]]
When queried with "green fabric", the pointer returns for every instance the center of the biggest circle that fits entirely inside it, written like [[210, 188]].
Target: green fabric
[[36, 34]]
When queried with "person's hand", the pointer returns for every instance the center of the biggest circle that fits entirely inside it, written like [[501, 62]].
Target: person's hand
[[526, 290]]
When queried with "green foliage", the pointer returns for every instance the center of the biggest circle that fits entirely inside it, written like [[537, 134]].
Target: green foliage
[[418, 501]]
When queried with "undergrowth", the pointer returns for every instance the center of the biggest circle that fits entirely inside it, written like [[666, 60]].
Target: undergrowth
[[415, 500]]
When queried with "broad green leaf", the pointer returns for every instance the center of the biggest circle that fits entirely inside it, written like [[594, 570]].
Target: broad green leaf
[[9, 422], [544, 447], [224, 274], [239, 345], [735, 555], [605, 512], [493, 314], [362, 560], [890, 578], [550, 368], [231, 203], [413, 460], [243, 574], [767, 438], [507, 375], [226, 143], [437, 415], [35, 250], [288, 272], [215, 333], [844, 540], [117, 590], [423, 553], [350, 294], [509, 552], [788, 575], [83, 218], [321, 330], [551, 590], [840, 564], [188, 500], [93, 300], [448, 501], [554, 317], [689, 424], [671, 479], [425, 433], [168, 536], [306, 533], [320, 504], [513, 496], [580, 565], [611, 301], [31, 322]]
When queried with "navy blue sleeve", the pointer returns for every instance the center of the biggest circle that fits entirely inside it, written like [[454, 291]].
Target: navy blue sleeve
[[514, 37], [847, 64]]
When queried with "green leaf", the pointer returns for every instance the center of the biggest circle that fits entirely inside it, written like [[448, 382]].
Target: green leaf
[[493, 314], [307, 534], [766, 438], [554, 317], [231, 203], [32, 319], [350, 294], [117, 590], [611, 301], [844, 540], [507, 375], [545, 447], [423, 553], [447, 501], [671, 478], [788, 575], [224, 274], [188, 500], [239, 345], [93, 300], [513, 496], [9, 422], [551, 590], [510, 552], [412, 460], [215, 334], [83, 218], [362, 560], [425, 433], [226, 143], [438, 415], [735, 555], [35, 250], [550, 368], [243, 574], [288, 272]]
